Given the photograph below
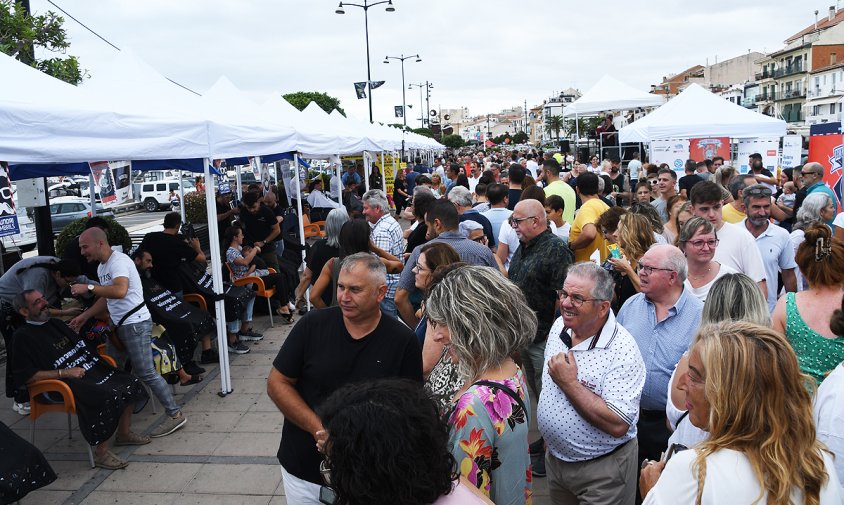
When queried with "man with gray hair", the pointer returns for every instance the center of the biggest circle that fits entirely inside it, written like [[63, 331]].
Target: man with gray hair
[[662, 318], [326, 350], [386, 234], [812, 176], [462, 200], [592, 383]]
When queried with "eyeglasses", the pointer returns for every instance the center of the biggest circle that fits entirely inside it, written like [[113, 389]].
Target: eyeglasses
[[653, 181], [479, 239], [514, 221], [576, 300], [810, 172], [419, 268], [647, 269], [700, 243]]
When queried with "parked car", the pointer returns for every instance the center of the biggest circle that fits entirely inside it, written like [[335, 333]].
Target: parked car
[[67, 209], [156, 195]]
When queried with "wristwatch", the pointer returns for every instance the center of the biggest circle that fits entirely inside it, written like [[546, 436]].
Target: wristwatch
[[91, 288]]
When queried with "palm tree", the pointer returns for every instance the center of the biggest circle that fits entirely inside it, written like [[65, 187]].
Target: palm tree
[[554, 124]]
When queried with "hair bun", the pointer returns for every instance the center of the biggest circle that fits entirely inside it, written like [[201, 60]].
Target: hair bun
[[816, 231]]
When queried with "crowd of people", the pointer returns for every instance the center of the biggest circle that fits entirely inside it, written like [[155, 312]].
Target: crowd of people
[[679, 339]]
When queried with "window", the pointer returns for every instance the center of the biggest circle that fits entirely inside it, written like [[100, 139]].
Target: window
[[832, 108], [174, 186], [833, 59], [161, 187], [816, 110], [817, 83], [148, 187], [54, 209]]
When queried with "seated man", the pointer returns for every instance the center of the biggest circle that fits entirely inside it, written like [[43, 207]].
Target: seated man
[[47, 348]]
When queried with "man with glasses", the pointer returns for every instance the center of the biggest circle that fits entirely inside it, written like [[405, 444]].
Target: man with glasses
[[592, 386], [812, 175], [737, 248], [773, 242], [662, 318]]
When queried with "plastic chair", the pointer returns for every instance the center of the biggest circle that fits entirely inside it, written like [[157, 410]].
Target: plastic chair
[[39, 407], [316, 229], [197, 300], [260, 288]]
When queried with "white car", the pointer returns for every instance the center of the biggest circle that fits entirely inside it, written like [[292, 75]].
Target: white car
[[156, 194], [26, 239]]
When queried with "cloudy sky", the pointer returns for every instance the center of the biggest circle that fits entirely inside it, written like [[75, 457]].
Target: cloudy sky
[[485, 56]]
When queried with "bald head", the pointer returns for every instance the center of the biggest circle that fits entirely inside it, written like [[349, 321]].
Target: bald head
[[269, 199], [668, 270], [93, 244], [529, 219]]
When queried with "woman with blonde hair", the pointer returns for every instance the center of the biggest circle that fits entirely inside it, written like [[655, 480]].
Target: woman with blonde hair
[[437, 186], [745, 388], [635, 237]]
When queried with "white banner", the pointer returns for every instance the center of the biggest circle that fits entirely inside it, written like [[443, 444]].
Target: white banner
[[673, 152], [121, 173], [792, 151], [769, 149]]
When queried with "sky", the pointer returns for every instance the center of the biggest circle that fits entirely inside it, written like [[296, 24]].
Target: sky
[[485, 56]]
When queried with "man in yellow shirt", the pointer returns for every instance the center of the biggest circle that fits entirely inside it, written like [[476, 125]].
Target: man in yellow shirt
[[734, 212], [585, 237], [557, 187]]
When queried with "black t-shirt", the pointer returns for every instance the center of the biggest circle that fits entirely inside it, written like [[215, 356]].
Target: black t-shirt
[[257, 227], [513, 198], [618, 187], [417, 237], [321, 252], [222, 208], [168, 252], [321, 355], [687, 182], [73, 253]]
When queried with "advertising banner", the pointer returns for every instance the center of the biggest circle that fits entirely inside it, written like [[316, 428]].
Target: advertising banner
[[792, 150], [103, 179], [827, 150], [8, 215], [673, 152], [121, 174], [769, 149], [708, 148]]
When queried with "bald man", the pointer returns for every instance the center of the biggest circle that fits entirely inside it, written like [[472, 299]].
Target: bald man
[[121, 293], [812, 175]]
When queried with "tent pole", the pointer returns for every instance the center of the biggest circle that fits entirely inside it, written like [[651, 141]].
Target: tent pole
[[366, 170], [217, 279], [238, 184], [339, 171], [93, 194], [182, 196]]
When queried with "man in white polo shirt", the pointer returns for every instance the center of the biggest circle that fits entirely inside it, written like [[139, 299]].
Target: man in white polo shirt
[[591, 386]]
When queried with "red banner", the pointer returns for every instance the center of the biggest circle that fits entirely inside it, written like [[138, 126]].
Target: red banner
[[827, 150], [708, 148]]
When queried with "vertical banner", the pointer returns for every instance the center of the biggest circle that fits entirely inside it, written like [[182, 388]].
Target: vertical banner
[[335, 166], [672, 152], [265, 177], [121, 172], [103, 180], [708, 148], [8, 215], [827, 150], [792, 151], [290, 180], [769, 149]]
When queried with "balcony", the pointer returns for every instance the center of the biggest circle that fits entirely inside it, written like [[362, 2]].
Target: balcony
[[764, 74], [788, 70], [766, 97], [790, 95], [749, 102], [823, 92]]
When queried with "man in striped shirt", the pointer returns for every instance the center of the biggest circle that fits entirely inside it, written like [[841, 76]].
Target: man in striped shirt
[[386, 234]]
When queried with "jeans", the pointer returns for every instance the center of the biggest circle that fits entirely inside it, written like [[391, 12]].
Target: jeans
[[246, 315], [136, 339], [388, 307]]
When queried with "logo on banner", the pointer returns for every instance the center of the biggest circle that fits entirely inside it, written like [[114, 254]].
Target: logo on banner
[[678, 164], [399, 111], [835, 161], [8, 216]]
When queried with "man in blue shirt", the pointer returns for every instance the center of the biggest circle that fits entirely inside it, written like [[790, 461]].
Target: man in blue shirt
[[812, 174], [662, 318]]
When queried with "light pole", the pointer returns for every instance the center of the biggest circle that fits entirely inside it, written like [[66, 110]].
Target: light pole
[[365, 6], [423, 99], [403, 100]]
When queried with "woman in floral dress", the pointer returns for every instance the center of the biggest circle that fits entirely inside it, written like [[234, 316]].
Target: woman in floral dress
[[484, 319]]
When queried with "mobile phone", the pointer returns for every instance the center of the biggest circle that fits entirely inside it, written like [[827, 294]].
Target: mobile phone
[[675, 448], [327, 495]]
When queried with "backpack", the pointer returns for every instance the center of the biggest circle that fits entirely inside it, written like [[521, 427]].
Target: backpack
[[164, 355]]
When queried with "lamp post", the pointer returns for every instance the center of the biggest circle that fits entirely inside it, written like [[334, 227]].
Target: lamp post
[[403, 99], [423, 99], [365, 6]]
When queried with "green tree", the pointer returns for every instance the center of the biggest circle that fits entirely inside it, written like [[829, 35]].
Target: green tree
[[397, 125], [426, 132], [520, 138], [452, 141], [554, 124], [587, 124], [20, 34], [301, 99]]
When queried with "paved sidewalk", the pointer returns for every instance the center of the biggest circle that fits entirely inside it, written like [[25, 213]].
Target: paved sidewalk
[[225, 454]]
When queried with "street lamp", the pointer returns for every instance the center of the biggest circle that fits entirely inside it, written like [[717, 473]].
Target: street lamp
[[427, 86], [403, 100], [365, 6]]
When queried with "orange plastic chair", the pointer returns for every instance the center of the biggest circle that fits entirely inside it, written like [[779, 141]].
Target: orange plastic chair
[[39, 407], [260, 288], [197, 300]]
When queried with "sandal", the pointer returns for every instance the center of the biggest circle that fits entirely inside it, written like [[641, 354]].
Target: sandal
[[287, 316], [194, 379], [110, 462]]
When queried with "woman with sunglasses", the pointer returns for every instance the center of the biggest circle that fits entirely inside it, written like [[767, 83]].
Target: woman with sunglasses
[[698, 242]]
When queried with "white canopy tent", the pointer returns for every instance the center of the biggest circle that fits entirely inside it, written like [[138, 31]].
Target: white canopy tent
[[611, 94], [698, 113]]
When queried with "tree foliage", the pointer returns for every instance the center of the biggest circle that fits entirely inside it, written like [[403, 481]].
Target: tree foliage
[[20, 34], [520, 138], [425, 132], [554, 124], [326, 102], [452, 141]]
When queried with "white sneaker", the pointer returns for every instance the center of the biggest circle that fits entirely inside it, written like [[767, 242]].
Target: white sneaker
[[21, 408]]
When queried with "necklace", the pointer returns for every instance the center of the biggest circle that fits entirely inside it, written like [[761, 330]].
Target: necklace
[[703, 275]]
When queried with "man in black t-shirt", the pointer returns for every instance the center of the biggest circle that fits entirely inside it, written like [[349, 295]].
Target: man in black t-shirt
[[330, 348], [260, 228], [168, 250], [688, 181], [225, 211]]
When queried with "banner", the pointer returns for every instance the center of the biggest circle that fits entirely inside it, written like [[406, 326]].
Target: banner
[[121, 172], [360, 89], [376, 84], [103, 180], [769, 149], [265, 177], [399, 111], [708, 148], [792, 151], [8, 216], [672, 152], [827, 150]]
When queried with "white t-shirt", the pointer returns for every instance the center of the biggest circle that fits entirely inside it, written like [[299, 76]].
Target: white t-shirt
[[729, 479], [685, 433], [119, 265], [737, 249], [634, 166], [829, 416], [508, 236], [703, 291], [532, 168], [562, 232]]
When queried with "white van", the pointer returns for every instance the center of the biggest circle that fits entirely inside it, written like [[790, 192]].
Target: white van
[[156, 194]]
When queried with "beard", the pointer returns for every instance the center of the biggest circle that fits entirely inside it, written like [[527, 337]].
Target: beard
[[757, 221], [41, 317]]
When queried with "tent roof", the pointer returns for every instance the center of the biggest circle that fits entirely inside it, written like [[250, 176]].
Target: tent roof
[[611, 94], [698, 113]]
